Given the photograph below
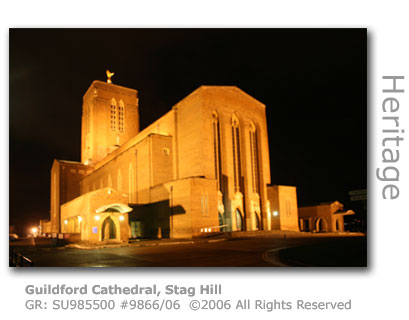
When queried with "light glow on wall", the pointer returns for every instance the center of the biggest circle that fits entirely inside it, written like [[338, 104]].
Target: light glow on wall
[[65, 221], [97, 218], [275, 213], [79, 218], [121, 218]]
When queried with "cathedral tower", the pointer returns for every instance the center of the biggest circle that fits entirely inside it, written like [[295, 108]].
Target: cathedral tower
[[110, 117]]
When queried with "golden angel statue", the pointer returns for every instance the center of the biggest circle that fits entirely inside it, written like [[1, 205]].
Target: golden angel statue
[[109, 75]]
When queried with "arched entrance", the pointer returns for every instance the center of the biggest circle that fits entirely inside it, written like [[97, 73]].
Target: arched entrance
[[239, 221], [321, 225], [257, 221], [221, 221], [114, 221], [108, 229]]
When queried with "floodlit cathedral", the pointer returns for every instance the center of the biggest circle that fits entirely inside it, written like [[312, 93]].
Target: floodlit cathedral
[[202, 167]]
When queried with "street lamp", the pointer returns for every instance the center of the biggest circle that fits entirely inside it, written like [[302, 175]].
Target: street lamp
[[34, 231]]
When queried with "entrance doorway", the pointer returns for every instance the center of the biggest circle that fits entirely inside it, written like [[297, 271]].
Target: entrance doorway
[[108, 229], [257, 221], [221, 221], [306, 225], [136, 229], [321, 225], [239, 221]]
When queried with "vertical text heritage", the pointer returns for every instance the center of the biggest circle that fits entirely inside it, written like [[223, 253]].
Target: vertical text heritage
[[391, 136]]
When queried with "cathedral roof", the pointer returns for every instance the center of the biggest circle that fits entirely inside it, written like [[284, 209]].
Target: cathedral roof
[[225, 91]]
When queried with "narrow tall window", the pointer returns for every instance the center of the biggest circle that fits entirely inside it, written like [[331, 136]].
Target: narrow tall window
[[119, 180], [206, 211], [236, 153], [216, 150], [288, 207], [54, 189], [113, 115], [131, 182], [121, 116], [204, 203], [254, 159]]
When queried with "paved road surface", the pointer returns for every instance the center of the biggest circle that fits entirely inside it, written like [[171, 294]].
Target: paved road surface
[[252, 252]]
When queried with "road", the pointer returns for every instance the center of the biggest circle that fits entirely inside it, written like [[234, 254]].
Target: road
[[249, 252]]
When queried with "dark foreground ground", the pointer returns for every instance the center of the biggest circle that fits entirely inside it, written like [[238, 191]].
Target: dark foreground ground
[[266, 251]]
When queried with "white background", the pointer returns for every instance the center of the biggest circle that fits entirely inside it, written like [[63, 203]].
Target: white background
[[379, 291]]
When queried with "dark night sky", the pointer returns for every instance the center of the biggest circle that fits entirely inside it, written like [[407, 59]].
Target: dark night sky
[[313, 82]]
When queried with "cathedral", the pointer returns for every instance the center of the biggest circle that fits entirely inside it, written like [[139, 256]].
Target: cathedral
[[201, 168]]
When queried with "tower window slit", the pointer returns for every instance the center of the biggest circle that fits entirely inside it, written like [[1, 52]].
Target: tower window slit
[[113, 115], [121, 118]]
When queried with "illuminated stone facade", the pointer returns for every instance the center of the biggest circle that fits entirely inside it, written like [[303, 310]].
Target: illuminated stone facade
[[283, 208], [202, 167], [325, 217]]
